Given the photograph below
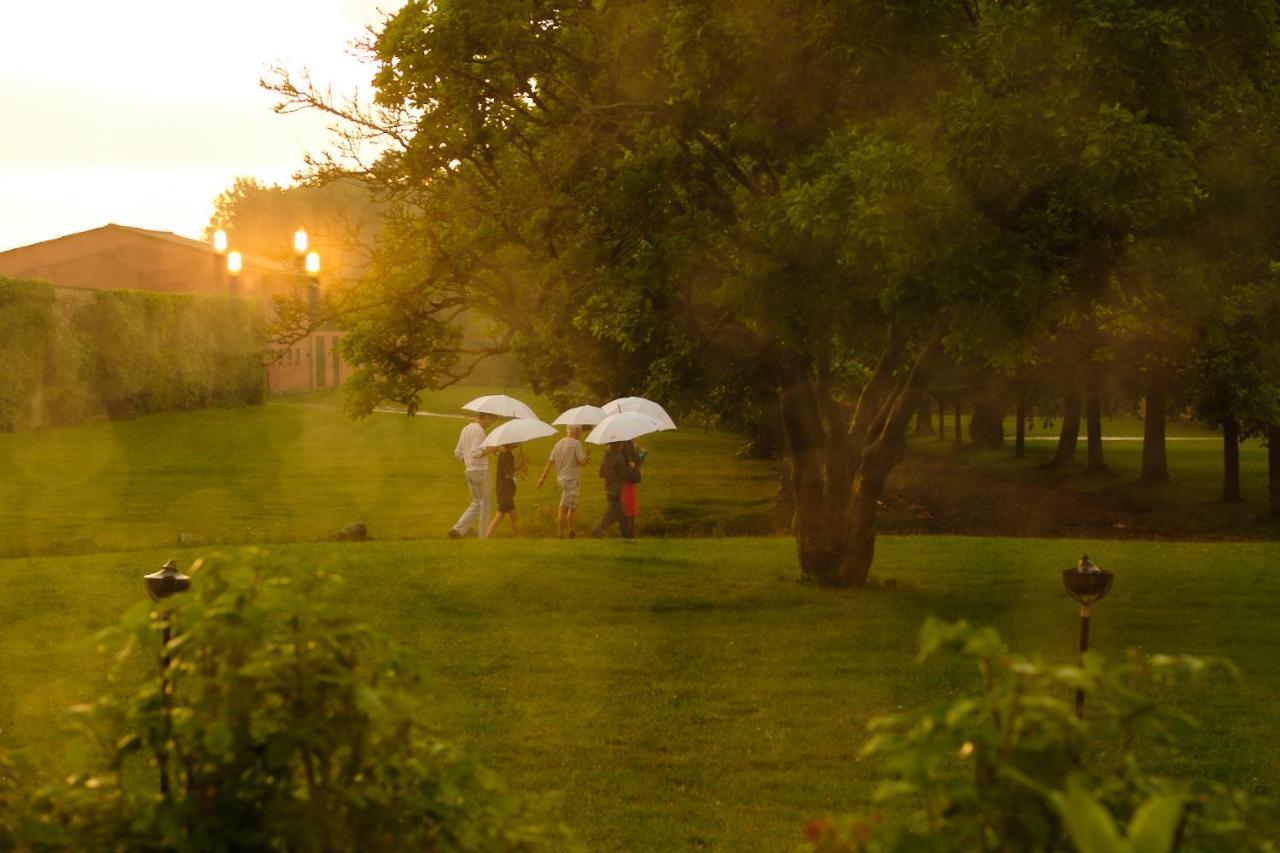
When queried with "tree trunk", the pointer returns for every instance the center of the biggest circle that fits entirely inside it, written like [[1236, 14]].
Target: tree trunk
[[1093, 427], [878, 461], [942, 419], [840, 465], [1273, 468], [959, 439], [1070, 433], [924, 416], [1230, 460], [1155, 459], [986, 427], [820, 480], [1020, 432]]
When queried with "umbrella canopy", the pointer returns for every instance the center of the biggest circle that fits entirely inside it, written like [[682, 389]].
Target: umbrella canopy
[[581, 416], [518, 431], [500, 405], [643, 406], [623, 427]]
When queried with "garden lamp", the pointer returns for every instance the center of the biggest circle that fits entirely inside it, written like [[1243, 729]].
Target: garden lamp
[[1087, 583], [160, 585]]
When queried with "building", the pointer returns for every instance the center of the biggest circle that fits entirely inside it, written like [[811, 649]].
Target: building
[[117, 257]]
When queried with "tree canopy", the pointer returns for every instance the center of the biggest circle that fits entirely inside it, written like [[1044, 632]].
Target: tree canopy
[[667, 196]]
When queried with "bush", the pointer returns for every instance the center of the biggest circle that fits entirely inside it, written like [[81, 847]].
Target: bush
[[123, 353], [1012, 768], [291, 726]]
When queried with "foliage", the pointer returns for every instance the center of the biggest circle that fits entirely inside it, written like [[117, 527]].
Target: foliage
[[154, 352], [289, 725], [645, 195], [68, 356], [1234, 369], [1012, 768], [40, 361]]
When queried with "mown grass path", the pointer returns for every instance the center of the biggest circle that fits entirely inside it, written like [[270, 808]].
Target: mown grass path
[[689, 694]]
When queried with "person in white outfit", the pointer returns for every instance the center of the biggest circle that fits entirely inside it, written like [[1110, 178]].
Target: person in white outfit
[[475, 456]]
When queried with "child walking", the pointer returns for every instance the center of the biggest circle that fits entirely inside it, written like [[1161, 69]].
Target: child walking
[[568, 457], [508, 469]]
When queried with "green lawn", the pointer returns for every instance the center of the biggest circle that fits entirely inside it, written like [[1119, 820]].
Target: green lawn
[[690, 693], [298, 470]]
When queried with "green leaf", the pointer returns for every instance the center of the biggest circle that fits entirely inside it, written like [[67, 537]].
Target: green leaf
[[218, 737], [1089, 824], [1155, 824]]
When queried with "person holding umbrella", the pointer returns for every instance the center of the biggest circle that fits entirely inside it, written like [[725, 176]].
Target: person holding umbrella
[[568, 457], [613, 469], [475, 457], [617, 466], [504, 441], [508, 469], [473, 450]]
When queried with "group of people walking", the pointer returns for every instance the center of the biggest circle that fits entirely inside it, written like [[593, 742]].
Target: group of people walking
[[620, 467]]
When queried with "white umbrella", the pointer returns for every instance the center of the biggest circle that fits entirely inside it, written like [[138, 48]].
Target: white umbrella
[[500, 405], [643, 406], [581, 416], [623, 427], [518, 431]]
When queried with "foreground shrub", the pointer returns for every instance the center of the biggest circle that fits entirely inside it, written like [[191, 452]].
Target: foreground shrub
[[1012, 768], [290, 726]]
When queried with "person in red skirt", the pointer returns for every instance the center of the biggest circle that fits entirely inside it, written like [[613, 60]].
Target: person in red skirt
[[630, 502]]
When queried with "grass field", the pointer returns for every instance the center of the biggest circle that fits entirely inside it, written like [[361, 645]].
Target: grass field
[[680, 693], [689, 693], [298, 470]]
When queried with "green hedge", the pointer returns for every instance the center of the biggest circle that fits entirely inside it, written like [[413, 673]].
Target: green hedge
[[123, 353]]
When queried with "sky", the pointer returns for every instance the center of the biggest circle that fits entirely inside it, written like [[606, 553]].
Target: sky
[[139, 112]]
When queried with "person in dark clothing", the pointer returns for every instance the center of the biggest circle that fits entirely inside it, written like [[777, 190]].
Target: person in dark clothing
[[508, 470], [630, 503], [613, 469]]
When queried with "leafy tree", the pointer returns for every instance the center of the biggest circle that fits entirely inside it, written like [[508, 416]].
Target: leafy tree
[[1234, 374], [645, 193], [341, 218]]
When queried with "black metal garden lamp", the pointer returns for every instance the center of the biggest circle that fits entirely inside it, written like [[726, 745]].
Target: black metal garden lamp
[[160, 585], [1087, 583]]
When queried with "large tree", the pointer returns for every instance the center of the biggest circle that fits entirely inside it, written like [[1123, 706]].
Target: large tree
[[648, 195]]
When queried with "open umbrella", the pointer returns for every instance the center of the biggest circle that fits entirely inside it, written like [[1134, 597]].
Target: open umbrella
[[623, 427], [500, 405], [581, 416], [518, 431], [643, 406]]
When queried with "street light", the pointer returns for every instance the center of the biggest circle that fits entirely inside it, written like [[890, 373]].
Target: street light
[[235, 263], [312, 263], [300, 241], [160, 585], [220, 241], [1088, 584]]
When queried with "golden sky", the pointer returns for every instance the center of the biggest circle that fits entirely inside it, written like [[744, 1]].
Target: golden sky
[[140, 112]]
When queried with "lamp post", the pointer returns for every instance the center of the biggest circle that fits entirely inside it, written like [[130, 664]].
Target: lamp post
[[160, 585], [235, 263], [220, 244], [1087, 583]]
